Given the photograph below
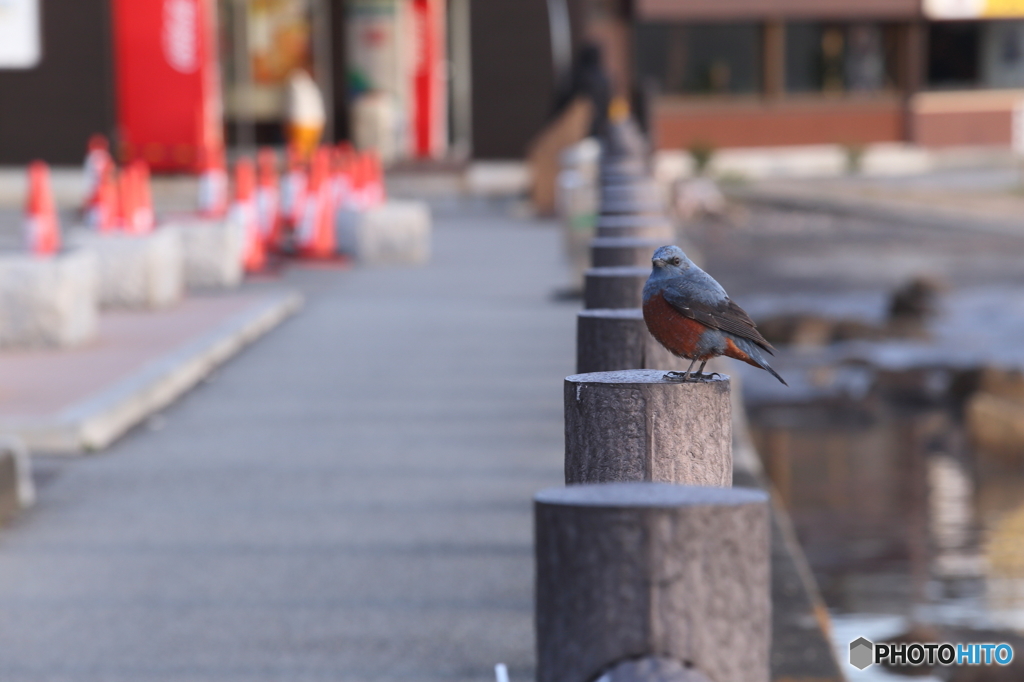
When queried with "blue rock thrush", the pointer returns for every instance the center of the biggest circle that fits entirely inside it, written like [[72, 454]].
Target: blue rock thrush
[[690, 314]]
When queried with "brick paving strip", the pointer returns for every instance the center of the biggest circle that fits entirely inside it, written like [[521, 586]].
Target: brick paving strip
[[77, 400]]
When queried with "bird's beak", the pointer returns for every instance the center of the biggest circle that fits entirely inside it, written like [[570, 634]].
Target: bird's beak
[[658, 263]]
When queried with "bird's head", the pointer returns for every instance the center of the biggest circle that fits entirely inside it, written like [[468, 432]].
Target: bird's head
[[670, 260]]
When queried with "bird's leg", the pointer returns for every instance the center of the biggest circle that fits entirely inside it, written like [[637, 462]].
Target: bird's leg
[[701, 376], [681, 376]]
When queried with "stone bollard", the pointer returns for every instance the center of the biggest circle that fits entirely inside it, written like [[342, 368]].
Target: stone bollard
[[656, 227], [616, 339], [614, 287], [634, 425], [17, 491], [630, 570], [136, 270], [212, 252], [48, 301], [631, 199], [394, 233], [612, 252]]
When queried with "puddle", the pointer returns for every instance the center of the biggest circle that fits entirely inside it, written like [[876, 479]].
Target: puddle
[[902, 464]]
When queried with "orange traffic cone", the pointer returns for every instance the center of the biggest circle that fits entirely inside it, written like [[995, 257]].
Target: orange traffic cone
[[141, 219], [293, 190], [377, 173], [42, 228], [213, 181], [102, 215], [345, 178], [268, 198], [315, 234], [126, 197], [243, 212], [97, 162]]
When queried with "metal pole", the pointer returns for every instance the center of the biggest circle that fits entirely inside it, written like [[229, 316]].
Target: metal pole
[[245, 120], [323, 62]]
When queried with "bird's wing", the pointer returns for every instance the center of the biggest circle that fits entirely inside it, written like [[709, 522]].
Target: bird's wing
[[722, 314]]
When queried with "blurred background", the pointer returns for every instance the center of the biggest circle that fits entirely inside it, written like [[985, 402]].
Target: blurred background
[[852, 171], [455, 80]]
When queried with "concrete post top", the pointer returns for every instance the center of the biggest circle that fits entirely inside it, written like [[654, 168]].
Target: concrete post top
[[618, 272], [634, 377], [649, 495], [633, 220], [626, 242], [614, 313]]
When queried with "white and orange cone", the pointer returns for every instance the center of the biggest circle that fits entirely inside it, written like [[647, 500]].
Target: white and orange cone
[[213, 182], [141, 219], [375, 180], [293, 190], [268, 198], [315, 233], [102, 215], [243, 212], [97, 164], [42, 227]]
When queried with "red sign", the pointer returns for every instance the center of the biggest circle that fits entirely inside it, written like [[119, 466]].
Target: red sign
[[428, 78], [168, 90]]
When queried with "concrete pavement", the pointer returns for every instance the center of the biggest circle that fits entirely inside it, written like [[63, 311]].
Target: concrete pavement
[[349, 499]]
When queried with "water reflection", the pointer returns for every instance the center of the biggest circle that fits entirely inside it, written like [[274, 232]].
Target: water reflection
[[902, 464]]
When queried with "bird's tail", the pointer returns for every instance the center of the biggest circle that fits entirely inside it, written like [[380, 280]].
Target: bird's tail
[[751, 354]]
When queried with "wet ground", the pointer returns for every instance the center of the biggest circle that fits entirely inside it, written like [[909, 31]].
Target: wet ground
[[899, 458]]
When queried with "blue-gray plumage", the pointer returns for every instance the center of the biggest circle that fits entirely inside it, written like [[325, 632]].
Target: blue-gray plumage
[[690, 314]]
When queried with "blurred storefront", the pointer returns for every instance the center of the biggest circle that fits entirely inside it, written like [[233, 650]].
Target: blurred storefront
[[424, 80], [785, 72], [456, 79]]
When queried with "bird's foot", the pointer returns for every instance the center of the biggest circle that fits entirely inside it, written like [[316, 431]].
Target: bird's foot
[[678, 376], [706, 377]]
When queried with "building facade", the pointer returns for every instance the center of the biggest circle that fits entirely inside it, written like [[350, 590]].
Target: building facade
[[742, 73], [460, 78], [479, 78]]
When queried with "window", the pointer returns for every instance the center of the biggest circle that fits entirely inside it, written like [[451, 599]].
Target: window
[[695, 59], [856, 57], [953, 51]]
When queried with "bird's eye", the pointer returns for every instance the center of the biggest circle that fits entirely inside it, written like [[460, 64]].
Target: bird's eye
[[675, 261]]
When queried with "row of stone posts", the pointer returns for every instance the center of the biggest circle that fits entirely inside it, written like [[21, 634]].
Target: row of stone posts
[[649, 564]]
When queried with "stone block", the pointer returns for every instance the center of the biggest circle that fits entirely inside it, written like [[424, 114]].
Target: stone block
[[635, 425], [608, 340], [212, 251], [394, 233], [630, 570], [48, 301], [620, 287], [642, 226], [17, 490], [613, 252], [136, 271]]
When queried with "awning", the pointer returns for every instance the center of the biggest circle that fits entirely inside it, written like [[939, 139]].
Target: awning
[[714, 10]]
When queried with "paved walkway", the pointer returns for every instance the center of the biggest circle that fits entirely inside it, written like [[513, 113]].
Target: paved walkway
[[349, 499]]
